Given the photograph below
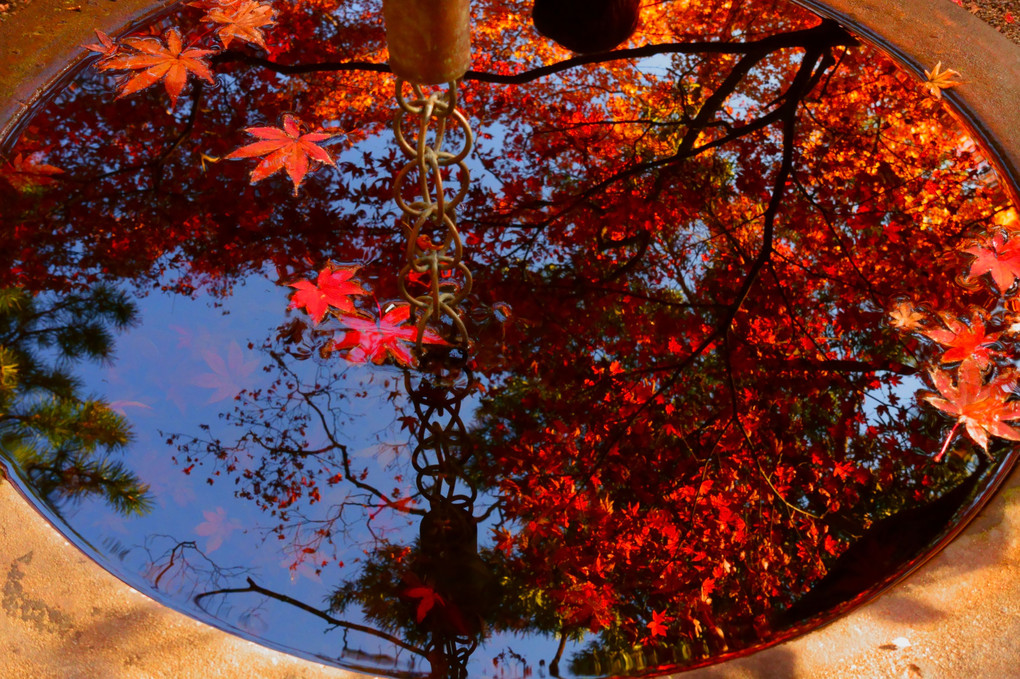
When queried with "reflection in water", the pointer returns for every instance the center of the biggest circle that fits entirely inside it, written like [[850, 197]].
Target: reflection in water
[[59, 438], [731, 285]]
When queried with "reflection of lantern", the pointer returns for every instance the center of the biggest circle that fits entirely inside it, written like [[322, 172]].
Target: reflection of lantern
[[451, 564], [429, 43], [587, 25], [448, 562]]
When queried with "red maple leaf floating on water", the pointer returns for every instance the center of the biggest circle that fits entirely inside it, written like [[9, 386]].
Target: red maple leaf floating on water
[[427, 597], [170, 63], [999, 258], [287, 148], [332, 288], [965, 342], [981, 408], [243, 20], [387, 337], [106, 47]]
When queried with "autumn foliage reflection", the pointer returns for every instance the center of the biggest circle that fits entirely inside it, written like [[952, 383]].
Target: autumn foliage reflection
[[714, 269]]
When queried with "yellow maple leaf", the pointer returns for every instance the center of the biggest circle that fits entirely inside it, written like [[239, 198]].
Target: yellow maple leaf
[[938, 80], [243, 20], [905, 317]]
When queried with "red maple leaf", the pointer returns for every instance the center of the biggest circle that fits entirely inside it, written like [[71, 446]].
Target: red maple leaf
[[657, 626], [287, 148], [965, 342], [842, 470], [170, 63], [428, 598], [982, 408], [332, 288], [388, 337], [106, 47], [999, 258], [243, 20]]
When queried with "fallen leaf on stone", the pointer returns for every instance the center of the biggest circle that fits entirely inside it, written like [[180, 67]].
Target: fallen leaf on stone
[[939, 80]]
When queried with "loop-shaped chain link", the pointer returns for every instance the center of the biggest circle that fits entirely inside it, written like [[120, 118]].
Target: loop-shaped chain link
[[435, 250], [442, 445], [434, 259]]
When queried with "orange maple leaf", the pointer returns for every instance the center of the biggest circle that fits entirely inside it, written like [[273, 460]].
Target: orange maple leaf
[[906, 317], [287, 148], [981, 408], [1000, 258], [170, 63], [105, 47], [965, 342], [938, 80], [26, 171], [243, 21], [657, 626]]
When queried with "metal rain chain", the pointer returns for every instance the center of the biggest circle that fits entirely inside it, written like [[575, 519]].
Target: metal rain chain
[[429, 44], [435, 250]]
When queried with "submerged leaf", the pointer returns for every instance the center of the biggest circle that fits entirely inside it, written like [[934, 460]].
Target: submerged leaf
[[243, 20], [391, 336]]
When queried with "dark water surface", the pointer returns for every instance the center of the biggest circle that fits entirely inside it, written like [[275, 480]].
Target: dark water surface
[[741, 351]]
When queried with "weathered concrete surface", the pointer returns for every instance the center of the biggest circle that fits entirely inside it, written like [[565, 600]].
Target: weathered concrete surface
[[62, 617]]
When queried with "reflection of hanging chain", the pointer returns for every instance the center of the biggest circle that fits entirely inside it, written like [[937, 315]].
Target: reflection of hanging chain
[[442, 447], [435, 281], [449, 560], [435, 251]]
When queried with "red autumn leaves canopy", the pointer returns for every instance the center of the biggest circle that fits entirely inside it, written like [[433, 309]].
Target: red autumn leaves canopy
[[611, 381]]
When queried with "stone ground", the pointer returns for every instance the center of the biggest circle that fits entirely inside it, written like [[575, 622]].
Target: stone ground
[[63, 617], [1004, 15]]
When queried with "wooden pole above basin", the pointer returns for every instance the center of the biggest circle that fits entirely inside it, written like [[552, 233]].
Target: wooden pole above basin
[[429, 40]]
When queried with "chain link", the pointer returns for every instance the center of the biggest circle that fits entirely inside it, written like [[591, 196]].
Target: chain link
[[435, 257], [442, 444], [435, 250]]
